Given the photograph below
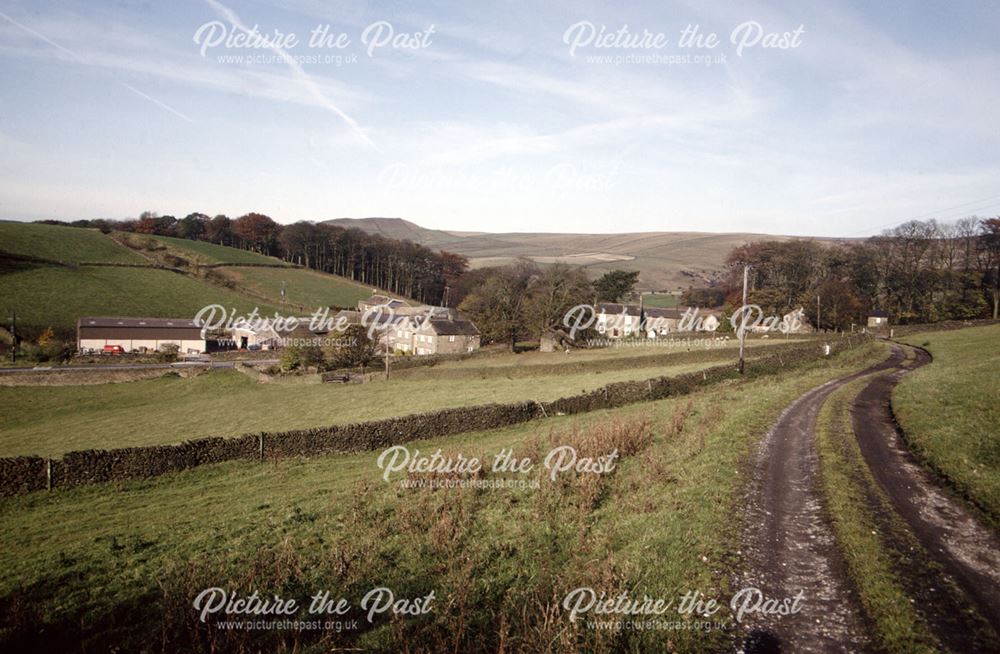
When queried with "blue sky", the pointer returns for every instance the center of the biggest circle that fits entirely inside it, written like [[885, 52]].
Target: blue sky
[[880, 113]]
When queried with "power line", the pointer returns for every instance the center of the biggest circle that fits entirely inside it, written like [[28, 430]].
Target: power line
[[979, 206]]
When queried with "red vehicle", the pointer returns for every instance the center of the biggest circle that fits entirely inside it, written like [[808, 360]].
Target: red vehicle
[[113, 349]]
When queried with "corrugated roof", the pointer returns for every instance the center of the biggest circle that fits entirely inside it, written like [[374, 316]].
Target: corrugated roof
[[152, 323]]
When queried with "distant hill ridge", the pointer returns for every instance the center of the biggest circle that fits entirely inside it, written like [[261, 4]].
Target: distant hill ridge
[[667, 260]]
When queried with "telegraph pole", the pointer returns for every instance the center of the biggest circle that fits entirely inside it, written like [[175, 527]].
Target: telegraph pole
[[13, 337], [743, 317], [387, 352], [817, 312]]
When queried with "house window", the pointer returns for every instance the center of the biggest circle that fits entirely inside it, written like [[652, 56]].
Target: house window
[[451, 339]]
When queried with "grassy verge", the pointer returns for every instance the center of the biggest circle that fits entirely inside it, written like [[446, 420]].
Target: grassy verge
[[862, 520], [103, 566], [949, 411]]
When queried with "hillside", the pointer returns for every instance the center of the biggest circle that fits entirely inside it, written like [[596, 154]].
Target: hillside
[[58, 243], [51, 275], [303, 287], [208, 253], [53, 296], [667, 260]]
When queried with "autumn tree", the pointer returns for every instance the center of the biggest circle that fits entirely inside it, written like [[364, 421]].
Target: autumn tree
[[192, 226], [219, 230], [551, 293], [497, 306], [257, 232], [989, 259], [354, 348]]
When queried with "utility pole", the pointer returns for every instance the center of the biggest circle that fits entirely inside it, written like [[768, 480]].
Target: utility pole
[[387, 351], [13, 337], [743, 317], [817, 312]]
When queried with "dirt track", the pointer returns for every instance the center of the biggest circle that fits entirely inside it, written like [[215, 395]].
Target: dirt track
[[790, 543], [966, 551], [790, 547]]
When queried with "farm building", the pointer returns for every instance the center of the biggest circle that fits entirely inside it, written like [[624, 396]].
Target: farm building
[[878, 319], [420, 330], [617, 320], [377, 300], [622, 320], [139, 334]]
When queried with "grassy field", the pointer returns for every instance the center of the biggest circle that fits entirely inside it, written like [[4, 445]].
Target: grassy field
[[661, 300], [53, 420], [304, 287], [121, 564], [202, 252], [949, 411], [52, 296], [66, 244], [620, 352]]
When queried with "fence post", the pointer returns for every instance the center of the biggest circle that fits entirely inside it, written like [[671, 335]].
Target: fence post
[[48, 474], [260, 445]]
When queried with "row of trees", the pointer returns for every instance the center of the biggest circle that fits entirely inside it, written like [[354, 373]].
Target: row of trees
[[521, 301], [921, 271], [401, 267]]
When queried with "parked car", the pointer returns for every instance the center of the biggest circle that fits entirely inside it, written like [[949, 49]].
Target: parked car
[[113, 349]]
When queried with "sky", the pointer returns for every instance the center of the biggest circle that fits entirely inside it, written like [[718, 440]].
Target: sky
[[807, 118]]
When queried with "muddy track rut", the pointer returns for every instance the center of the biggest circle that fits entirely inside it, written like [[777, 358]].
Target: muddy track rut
[[790, 547]]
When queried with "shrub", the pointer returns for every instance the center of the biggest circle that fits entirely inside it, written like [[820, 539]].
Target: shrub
[[355, 349], [167, 353], [300, 357]]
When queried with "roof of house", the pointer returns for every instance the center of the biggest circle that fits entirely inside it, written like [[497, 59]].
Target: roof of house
[[446, 327], [355, 317], [878, 313], [618, 309], [381, 300]]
